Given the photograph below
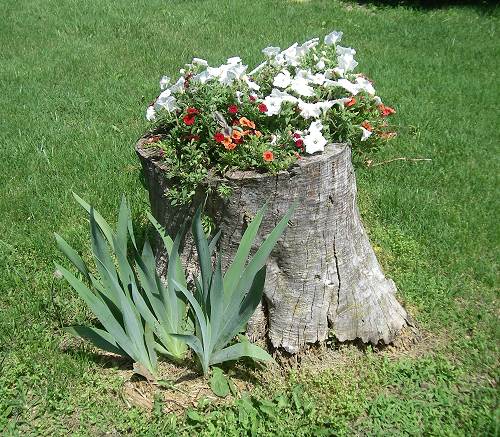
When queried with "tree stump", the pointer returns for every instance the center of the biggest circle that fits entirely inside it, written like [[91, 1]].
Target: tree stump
[[323, 277]]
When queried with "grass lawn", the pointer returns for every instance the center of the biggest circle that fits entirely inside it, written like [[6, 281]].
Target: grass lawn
[[75, 78]]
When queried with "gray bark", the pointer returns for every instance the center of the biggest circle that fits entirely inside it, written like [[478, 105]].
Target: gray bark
[[323, 277]]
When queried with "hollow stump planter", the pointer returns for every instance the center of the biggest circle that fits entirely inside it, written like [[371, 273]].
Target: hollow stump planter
[[322, 276]]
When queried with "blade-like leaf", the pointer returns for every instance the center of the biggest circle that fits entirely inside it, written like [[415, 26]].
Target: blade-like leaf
[[99, 338], [238, 316], [238, 350], [213, 242], [192, 341], [104, 262], [257, 262], [103, 224], [236, 268], [72, 255], [150, 345], [169, 243], [216, 300], [101, 311], [204, 259], [121, 239], [200, 316]]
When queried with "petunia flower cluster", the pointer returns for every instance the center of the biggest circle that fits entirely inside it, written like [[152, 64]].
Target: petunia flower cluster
[[295, 102]]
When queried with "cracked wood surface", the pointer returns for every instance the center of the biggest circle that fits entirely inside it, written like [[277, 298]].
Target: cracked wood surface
[[323, 276]]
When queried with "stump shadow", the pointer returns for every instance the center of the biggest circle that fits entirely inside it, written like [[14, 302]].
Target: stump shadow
[[486, 7]]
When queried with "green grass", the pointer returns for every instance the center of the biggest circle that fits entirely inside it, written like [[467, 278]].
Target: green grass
[[75, 78]]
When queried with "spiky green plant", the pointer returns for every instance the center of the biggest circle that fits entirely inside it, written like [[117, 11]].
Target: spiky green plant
[[222, 305], [137, 311]]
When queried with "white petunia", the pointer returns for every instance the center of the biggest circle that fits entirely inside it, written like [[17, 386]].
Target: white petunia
[[345, 58], [321, 64], [284, 96], [315, 141], [282, 79], [314, 110], [178, 86], [203, 77], [150, 113], [301, 87], [377, 100], [273, 105], [365, 84], [308, 45], [271, 52], [234, 60], [366, 133], [344, 51], [250, 83], [333, 38], [166, 101], [231, 72], [318, 78], [353, 88], [199, 61], [316, 126], [308, 110], [164, 81], [291, 55]]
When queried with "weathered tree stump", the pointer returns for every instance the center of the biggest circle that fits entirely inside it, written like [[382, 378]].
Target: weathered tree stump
[[323, 274]]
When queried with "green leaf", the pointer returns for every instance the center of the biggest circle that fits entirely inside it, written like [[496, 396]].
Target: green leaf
[[239, 313], [218, 383], [216, 300], [99, 338], [72, 255], [101, 311], [238, 350], [121, 239], [236, 268], [103, 224], [204, 258], [257, 262]]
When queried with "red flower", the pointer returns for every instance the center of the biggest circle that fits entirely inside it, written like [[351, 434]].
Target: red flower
[[299, 143], [252, 98], [268, 156], [386, 110], [262, 107], [188, 119], [351, 102], [232, 109], [296, 135], [192, 111], [219, 137]]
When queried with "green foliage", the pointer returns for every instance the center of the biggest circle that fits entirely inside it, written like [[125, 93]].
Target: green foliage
[[133, 306], [222, 305]]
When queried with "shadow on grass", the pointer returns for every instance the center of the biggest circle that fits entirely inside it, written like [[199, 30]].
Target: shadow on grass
[[481, 6]]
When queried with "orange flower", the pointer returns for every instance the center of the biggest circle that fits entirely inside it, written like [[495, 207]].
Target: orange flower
[[268, 156], [351, 102], [386, 110], [236, 135], [246, 132], [247, 123], [228, 144], [258, 133], [367, 125]]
